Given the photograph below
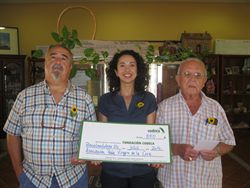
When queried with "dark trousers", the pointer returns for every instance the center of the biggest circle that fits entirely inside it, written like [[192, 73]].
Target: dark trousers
[[141, 181]]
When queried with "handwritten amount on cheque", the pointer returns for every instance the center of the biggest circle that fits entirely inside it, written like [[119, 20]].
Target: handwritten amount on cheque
[[127, 148]]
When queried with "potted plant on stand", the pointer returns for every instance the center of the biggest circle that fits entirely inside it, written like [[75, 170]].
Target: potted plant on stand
[[165, 62], [170, 54], [65, 38], [95, 62], [90, 58]]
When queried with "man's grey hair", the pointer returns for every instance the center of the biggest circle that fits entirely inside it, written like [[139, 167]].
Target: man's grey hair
[[192, 60], [62, 46]]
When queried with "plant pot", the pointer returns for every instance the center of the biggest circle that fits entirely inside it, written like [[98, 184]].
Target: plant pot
[[93, 89]]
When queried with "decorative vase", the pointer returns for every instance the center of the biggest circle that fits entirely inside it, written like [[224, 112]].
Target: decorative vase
[[93, 89]]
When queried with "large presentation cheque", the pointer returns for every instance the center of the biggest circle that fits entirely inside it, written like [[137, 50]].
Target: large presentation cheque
[[119, 142]]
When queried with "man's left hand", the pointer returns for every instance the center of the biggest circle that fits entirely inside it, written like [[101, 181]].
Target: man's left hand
[[209, 155]]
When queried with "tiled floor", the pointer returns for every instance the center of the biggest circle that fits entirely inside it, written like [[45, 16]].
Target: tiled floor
[[236, 165]]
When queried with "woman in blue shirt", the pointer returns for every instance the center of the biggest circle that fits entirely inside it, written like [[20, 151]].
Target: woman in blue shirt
[[127, 102]]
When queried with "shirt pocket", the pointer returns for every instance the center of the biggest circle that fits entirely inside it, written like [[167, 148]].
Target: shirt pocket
[[73, 125], [32, 118], [211, 132]]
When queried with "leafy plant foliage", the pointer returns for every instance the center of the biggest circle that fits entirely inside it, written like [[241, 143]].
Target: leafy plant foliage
[[69, 39], [66, 38], [171, 53]]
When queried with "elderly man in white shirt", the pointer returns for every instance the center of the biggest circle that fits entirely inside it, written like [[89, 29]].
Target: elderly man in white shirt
[[192, 117]]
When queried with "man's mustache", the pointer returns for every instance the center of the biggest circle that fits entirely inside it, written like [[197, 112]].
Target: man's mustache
[[57, 67]]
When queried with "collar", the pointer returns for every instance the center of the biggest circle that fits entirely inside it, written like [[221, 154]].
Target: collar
[[69, 88], [204, 101], [203, 96]]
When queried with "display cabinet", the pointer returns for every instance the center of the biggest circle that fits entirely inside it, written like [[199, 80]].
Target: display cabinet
[[169, 85], [12, 82], [211, 88], [235, 89], [36, 70]]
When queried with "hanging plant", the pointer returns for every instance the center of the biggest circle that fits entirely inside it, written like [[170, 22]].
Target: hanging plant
[[66, 38]]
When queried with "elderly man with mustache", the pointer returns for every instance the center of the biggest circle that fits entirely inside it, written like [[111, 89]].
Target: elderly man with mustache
[[43, 127]]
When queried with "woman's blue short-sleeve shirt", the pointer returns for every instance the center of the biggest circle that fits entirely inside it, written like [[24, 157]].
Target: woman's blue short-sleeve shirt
[[113, 106]]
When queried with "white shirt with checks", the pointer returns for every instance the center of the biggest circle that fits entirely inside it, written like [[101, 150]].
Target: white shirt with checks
[[189, 129]]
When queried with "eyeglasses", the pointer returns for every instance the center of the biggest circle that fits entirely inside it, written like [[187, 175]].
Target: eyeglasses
[[53, 119], [196, 75]]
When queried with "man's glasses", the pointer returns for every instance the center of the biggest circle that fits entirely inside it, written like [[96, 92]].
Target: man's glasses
[[196, 75], [53, 119]]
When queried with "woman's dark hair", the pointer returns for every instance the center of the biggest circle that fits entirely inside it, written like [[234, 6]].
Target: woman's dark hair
[[142, 79]]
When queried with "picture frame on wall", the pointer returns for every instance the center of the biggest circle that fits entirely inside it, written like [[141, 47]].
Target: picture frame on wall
[[9, 42]]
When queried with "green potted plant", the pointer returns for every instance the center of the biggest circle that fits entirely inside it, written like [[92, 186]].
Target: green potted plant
[[69, 40], [168, 54], [90, 56], [65, 38]]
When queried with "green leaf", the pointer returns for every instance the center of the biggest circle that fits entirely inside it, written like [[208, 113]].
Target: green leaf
[[158, 59], [92, 73], [56, 37], [73, 71], [149, 59], [165, 52], [151, 49], [70, 44], [105, 54], [65, 32], [37, 53], [78, 42], [88, 52], [83, 61], [96, 59], [150, 55], [74, 34]]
